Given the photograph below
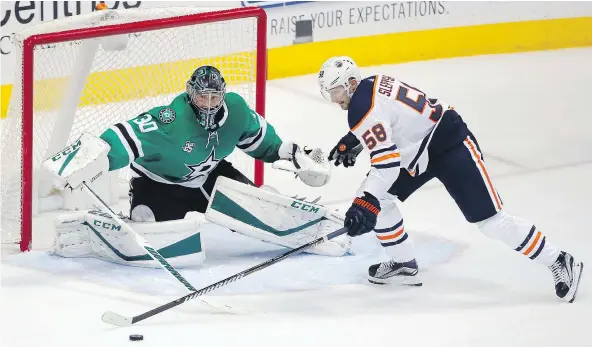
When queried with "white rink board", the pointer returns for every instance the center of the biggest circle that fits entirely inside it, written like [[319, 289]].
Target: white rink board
[[331, 20], [342, 19]]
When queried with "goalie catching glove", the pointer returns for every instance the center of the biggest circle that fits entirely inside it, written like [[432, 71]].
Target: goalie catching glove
[[83, 161], [310, 165]]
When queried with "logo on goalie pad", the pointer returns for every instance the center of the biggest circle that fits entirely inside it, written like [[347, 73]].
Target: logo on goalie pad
[[166, 115], [304, 207], [66, 151]]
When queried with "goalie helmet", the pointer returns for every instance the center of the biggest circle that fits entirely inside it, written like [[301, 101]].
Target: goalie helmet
[[336, 76], [206, 90]]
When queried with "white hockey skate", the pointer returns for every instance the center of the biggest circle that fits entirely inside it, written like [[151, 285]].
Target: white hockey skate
[[566, 274], [393, 272]]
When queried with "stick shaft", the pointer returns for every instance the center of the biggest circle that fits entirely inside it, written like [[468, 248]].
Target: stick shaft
[[237, 276], [142, 241]]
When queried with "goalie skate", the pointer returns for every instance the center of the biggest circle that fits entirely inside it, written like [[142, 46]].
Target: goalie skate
[[566, 274], [394, 272]]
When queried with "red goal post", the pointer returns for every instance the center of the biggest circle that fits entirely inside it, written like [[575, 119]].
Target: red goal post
[[21, 230]]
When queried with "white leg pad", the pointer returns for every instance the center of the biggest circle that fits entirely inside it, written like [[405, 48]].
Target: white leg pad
[[95, 234], [269, 216]]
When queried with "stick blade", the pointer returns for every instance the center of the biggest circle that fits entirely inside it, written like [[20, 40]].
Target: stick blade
[[116, 319]]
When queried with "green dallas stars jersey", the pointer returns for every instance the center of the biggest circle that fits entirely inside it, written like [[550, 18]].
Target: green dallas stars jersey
[[167, 145]]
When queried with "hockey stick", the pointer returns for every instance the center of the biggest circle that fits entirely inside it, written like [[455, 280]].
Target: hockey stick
[[153, 253], [119, 320]]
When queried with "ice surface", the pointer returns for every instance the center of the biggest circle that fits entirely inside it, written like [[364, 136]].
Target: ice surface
[[229, 253], [530, 115]]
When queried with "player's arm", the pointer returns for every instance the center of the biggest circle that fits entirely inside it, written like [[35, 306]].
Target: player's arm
[[128, 140], [90, 157], [259, 139], [373, 129]]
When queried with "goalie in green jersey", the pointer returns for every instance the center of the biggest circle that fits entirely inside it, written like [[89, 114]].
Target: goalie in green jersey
[[176, 152]]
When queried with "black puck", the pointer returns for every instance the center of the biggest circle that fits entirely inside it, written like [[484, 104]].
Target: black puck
[[136, 338]]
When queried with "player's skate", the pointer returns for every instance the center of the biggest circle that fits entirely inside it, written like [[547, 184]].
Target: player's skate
[[393, 272], [566, 273]]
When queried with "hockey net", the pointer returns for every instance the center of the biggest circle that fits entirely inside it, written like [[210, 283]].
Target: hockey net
[[85, 73]]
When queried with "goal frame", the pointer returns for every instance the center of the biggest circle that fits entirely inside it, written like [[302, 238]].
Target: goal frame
[[117, 29]]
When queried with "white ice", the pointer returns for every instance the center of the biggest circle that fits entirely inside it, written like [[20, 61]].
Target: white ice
[[531, 117]]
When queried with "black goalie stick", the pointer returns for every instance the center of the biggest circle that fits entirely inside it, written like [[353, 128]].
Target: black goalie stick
[[119, 320]]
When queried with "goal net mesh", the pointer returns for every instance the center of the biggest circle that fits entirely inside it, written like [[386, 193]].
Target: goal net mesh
[[88, 85]]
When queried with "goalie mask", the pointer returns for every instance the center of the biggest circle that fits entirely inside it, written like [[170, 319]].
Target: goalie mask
[[206, 90]]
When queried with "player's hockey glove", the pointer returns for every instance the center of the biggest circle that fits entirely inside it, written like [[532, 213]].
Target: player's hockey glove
[[361, 216], [346, 150]]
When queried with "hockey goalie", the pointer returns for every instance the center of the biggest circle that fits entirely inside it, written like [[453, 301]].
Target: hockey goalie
[[176, 154]]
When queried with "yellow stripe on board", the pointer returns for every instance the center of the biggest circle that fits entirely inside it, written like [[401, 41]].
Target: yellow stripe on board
[[367, 51], [434, 44]]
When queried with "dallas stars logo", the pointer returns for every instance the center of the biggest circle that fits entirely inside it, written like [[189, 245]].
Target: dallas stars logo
[[202, 169]]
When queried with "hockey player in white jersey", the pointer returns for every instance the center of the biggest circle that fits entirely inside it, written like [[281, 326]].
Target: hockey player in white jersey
[[411, 139]]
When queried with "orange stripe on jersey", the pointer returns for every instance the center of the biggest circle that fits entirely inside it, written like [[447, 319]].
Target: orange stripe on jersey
[[533, 244], [482, 165], [390, 237], [385, 157], [371, 105]]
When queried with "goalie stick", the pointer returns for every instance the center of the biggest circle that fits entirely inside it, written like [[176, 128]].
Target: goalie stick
[[119, 320], [152, 252]]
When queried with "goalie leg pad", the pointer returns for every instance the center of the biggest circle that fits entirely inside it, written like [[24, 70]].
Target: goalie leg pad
[[274, 218], [336, 247], [95, 234]]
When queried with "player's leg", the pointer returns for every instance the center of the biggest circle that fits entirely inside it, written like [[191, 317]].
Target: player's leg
[[224, 168], [152, 201], [402, 268], [463, 172]]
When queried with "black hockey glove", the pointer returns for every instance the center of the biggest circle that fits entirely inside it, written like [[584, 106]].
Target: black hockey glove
[[361, 216], [346, 150]]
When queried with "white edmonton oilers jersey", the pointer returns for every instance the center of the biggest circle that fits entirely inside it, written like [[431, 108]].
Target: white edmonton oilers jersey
[[395, 122]]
